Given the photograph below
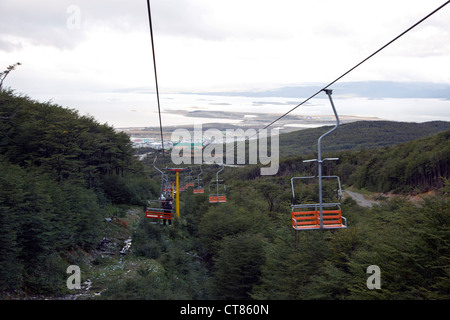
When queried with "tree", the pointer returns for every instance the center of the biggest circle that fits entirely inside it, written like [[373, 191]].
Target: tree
[[271, 193], [11, 202], [5, 73], [238, 266], [54, 164]]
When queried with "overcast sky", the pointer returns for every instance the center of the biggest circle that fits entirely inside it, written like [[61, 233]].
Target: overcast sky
[[82, 46]]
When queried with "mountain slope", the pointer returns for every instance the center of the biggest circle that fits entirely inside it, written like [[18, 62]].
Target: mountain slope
[[357, 135], [368, 89]]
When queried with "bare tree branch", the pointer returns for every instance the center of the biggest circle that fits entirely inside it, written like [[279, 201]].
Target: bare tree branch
[[5, 73]]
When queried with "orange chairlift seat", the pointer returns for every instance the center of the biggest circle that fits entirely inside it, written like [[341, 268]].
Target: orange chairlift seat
[[217, 190], [160, 212], [321, 215]]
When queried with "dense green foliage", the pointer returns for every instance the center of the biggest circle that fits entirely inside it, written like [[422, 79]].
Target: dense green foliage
[[416, 166], [241, 250], [62, 173], [413, 167], [247, 249]]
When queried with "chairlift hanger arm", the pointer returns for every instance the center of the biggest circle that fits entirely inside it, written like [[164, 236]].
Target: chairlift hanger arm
[[201, 172], [154, 160], [217, 173], [162, 176], [328, 92]]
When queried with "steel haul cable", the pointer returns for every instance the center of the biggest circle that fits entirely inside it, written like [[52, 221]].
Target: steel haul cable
[[156, 77], [304, 101], [351, 69]]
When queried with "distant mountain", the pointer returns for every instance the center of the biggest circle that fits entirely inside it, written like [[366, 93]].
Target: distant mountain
[[142, 89], [367, 89], [357, 135], [391, 89]]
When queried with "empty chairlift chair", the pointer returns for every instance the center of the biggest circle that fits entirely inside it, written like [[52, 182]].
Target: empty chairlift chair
[[217, 190], [321, 215], [199, 188], [188, 181]]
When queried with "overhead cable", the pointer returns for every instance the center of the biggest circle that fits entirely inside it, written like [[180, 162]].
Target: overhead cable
[[353, 68], [156, 77]]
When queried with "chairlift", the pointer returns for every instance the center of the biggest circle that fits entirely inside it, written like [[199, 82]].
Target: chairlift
[[167, 188], [188, 181], [322, 215], [217, 190], [306, 216], [159, 213], [155, 208], [200, 187], [166, 185]]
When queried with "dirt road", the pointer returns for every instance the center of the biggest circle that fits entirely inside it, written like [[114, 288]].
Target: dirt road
[[359, 198]]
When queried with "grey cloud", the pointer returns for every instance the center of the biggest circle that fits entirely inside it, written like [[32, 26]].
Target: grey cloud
[[184, 18], [9, 45], [44, 22], [38, 23]]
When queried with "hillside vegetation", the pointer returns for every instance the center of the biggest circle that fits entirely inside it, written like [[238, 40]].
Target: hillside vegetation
[[63, 173], [416, 166], [245, 248], [358, 135]]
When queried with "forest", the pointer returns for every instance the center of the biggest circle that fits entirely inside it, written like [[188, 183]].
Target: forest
[[63, 174], [358, 135]]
